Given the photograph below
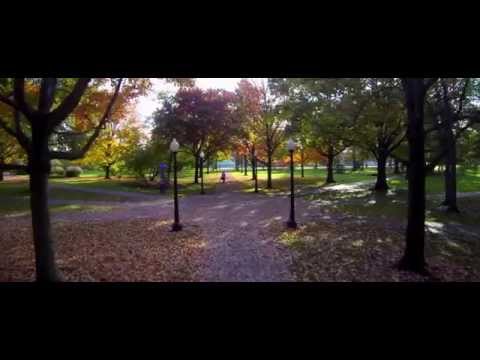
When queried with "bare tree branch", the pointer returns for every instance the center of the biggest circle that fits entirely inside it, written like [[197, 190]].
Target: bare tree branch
[[398, 143], [19, 96], [47, 92], [429, 82], [80, 154], [8, 130], [13, 167], [56, 117], [6, 100]]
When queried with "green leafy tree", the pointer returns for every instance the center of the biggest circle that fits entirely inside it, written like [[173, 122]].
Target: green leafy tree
[[382, 127]]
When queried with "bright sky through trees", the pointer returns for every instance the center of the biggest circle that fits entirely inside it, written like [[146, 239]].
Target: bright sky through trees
[[148, 104]]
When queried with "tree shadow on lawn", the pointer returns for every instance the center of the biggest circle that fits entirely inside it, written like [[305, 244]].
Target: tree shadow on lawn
[[452, 243]]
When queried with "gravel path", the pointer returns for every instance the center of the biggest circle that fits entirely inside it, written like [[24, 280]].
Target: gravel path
[[239, 247]]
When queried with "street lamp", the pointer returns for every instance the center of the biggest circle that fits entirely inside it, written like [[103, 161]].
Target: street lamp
[[291, 221], [202, 156], [255, 167], [174, 146]]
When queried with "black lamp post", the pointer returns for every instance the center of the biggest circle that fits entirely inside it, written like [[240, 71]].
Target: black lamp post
[[255, 171], [174, 146], [202, 156], [291, 221]]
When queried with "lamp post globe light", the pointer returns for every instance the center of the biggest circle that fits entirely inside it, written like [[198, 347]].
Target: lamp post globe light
[[291, 221], [174, 146], [202, 156]]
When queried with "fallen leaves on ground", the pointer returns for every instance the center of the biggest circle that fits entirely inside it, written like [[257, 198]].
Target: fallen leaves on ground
[[344, 250], [134, 250]]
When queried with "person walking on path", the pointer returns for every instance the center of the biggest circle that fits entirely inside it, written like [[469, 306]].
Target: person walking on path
[[223, 177]]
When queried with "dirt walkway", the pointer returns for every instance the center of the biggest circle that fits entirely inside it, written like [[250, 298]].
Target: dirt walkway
[[239, 247]]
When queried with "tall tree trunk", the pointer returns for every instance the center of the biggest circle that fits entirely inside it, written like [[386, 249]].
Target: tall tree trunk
[[355, 164], [330, 159], [396, 168], [237, 165], [39, 168], [107, 172], [245, 165], [302, 160], [269, 170], [253, 164], [450, 169], [197, 164], [381, 184], [208, 165], [1, 171], [414, 257]]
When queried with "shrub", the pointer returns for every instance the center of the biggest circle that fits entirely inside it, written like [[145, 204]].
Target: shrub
[[58, 171], [73, 171]]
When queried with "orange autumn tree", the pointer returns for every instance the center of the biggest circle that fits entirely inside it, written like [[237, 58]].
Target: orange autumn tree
[[119, 137], [119, 140], [248, 111], [310, 156]]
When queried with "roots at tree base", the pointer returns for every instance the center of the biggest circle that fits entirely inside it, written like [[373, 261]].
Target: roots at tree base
[[450, 208], [413, 265]]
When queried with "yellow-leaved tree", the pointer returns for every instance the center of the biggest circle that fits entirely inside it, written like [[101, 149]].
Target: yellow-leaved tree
[[118, 140]]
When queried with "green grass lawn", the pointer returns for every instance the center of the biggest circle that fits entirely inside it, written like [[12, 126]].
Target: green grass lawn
[[14, 194], [467, 181], [314, 178]]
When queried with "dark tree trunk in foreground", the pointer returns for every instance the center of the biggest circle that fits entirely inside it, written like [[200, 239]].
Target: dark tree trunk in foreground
[[245, 165], [269, 171], [330, 178], [39, 166], [414, 257], [381, 184]]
